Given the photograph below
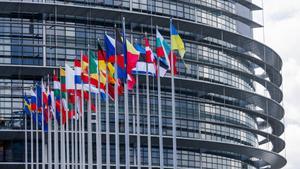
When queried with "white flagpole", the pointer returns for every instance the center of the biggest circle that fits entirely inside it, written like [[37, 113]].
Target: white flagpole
[[43, 126], [37, 136], [98, 135], [31, 139], [75, 162], [67, 143], [49, 129], [26, 143], [173, 105], [72, 154], [138, 122], [56, 153], [161, 148], [148, 117], [98, 121], [89, 125], [72, 132], [117, 148], [82, 139], [127, 146], [62, 133], [107, 120]]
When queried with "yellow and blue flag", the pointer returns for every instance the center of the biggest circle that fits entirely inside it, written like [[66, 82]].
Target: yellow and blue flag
[[177, 43]]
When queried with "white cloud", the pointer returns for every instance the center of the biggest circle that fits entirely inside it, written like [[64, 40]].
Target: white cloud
[[282, 30]]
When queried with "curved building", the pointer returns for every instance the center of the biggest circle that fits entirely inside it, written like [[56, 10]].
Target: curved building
[[223, 120]]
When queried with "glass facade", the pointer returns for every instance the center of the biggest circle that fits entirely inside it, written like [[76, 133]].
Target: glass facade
[[214, 128]]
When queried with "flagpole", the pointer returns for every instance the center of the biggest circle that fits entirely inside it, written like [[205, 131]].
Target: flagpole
[[97, 121], [31, 136], [26, 141], [127, 152], [138, 122], [43, 125], [81, 118], [62, 133], [37, 134], [49, 127], [72, 132], [98, 134], [67, 129], [107, 118], [98, 115], [56, 153], [82, 140], [89, 125], [173, 104], [75, 162], [148, 117], [161, 148], [117, 148]]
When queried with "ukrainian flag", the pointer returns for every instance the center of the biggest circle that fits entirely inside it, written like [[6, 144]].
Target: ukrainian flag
[[177, 43]]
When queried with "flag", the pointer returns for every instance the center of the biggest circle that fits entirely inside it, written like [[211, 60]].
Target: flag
[[121, 53], [56, 86], [141, 65], [38, 97], [110, 48], [33, 107], [63, 90], [101, 58], [131, 82], [164, 53], [27, 109], [70, 86], [63, 82], [85, 69], [161, 52], [103, 64], [132, 57], [45, 103], [56, 97], [78, 71], [45, 95], [176, 41], [70, 79], [93, 69], [149, 54]]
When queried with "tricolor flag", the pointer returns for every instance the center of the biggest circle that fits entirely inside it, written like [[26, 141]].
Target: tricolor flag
[[77, 68], [93, 69], [164, 54], [56, 97], [63, 91]]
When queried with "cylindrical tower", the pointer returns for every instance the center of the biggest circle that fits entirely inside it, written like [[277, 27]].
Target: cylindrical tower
[[222, 118]]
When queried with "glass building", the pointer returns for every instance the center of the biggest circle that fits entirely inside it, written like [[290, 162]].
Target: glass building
[[227, 96]]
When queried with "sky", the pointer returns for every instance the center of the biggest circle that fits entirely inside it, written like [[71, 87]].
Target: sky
[[282, 33]]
